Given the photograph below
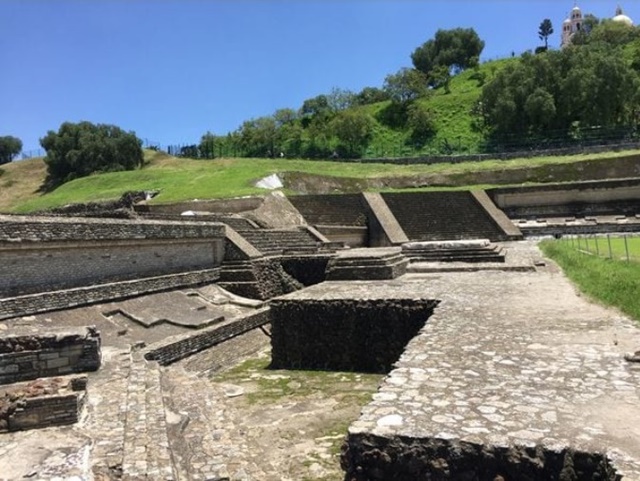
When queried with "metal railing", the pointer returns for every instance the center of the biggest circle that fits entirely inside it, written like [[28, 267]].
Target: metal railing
[[624, 247]]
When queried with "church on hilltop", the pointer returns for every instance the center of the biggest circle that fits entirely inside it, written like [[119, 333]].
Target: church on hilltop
[[575, 23]]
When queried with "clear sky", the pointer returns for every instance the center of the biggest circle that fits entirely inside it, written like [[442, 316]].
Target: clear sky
[[171, 70]]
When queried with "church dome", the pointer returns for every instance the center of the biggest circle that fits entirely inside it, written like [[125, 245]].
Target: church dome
[[622, 18]]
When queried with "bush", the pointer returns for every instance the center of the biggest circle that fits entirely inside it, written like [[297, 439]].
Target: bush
[[81, 149]]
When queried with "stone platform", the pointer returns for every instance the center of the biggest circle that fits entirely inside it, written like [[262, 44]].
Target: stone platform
[[514, 377], [367, 264]]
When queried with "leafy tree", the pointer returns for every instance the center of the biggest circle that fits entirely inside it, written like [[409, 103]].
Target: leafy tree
[[207, 146], [440, 77], [285, 116], [588, 86], [456, 49], [370, 95], [354, 129], [405, 85], [545, 31], [259, 137], [421, 122], [80, 149], [540, 108], [9, 147], [340, 99]]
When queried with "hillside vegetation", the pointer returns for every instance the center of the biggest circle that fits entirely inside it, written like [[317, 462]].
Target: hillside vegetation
[[179, 179]]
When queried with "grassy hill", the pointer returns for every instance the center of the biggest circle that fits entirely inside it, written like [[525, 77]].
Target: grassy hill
[[452, 113], [184, 179]]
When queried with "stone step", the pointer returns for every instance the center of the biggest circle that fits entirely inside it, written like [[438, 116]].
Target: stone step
[[349, 272]]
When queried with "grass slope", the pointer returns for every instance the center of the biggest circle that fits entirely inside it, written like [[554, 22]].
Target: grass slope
[[186, 179], [612, 282], [452, 114]]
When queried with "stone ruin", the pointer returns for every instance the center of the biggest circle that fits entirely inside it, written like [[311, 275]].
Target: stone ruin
[[368, 283], [38, 385]]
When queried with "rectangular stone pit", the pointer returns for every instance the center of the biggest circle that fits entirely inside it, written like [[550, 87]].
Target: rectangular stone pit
[[42, 403], [320, 329]]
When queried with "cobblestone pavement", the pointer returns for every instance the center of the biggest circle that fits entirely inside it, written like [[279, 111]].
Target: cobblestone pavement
[[512, 359]]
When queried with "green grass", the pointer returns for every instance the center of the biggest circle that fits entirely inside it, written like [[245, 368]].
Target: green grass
[[612, 282], [620, 246], [188, 179]]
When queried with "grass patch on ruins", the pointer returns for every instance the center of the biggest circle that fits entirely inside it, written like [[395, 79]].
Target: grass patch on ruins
[[264, 385], [187, 179], [612, 282]]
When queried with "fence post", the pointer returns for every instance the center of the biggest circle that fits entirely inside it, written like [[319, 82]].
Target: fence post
[[586, 241], [597, 248], [626, 247], [609, 242]]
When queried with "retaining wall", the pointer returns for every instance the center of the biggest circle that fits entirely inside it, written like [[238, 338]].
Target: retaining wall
[[186, 345], [29, 357], [49, 254], [55, 300], [572, 199], [344, 335], [367, 457]]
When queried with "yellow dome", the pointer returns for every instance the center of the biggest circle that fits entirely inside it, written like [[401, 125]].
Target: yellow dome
[[623, 19]]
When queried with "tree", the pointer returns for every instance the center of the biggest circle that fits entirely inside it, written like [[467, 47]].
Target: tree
[[456, 49], [370, 95], [544, 31], [259, 137], [421, 122], [81, 149], [340, 99], [405, 85], [354, 129], [9, 147]]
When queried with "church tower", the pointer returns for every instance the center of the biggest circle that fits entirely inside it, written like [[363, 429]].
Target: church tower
[[571, 25]]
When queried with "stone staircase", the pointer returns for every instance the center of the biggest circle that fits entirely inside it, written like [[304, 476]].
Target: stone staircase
[[367, 264], [472, 251], [431, 216], [261, 278], [336, 210], [277, 241]]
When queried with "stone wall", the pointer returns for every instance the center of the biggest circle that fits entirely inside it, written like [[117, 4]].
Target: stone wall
[[42, 403], [22, 229], [307, 270], [572, 199], [49, 254], [29, 357], [367, 457], [51, 301], [344, 335], [68, 265], [179, 348]]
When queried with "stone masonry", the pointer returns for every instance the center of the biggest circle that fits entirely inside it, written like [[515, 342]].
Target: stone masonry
[[24, 357]]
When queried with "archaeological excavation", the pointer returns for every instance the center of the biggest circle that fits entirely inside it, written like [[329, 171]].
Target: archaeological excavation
[[437, 341]]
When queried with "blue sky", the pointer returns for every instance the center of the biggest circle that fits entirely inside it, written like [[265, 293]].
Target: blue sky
[[172, 70]]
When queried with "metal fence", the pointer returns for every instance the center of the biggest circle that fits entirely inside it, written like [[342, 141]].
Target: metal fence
[[623, 247]]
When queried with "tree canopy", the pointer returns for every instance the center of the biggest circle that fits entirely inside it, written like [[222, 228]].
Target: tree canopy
[[9, 147], [81, 149], [590, 86], [456, 49]]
